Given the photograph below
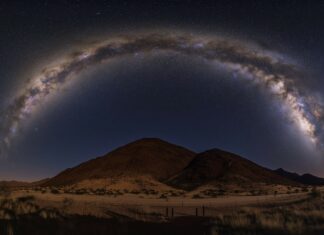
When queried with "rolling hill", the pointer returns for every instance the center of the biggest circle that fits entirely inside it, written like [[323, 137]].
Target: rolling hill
[[307, 179], [163, 164], [220, 166], [150, 157]]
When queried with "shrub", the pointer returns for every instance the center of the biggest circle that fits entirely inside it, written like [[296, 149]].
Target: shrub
[[25, 199], [315, 193], [173, 194], [80, 191], [55, 191], [67, 202], [196, 196], [221, 191], [4, 191], [163, 196]]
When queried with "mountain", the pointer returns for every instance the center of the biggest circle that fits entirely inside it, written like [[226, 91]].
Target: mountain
[[307, 179], [150, 157], [220, 166], [152, 162], [13, 184]]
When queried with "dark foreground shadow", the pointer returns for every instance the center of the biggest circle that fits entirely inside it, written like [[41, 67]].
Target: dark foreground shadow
[[80, 225]]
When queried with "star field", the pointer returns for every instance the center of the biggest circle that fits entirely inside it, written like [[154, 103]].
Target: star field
[[80, 78]]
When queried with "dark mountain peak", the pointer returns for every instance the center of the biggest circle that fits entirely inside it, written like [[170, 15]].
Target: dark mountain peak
[[178, 166], [222, 166], [215, 151], [152, 157], [146, 144], [149, 141], [285, 173], [282, 170], [308, 179], [308, 175]]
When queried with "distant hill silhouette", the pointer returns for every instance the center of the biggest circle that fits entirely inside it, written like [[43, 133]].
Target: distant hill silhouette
[[221, 166], [176, 166], [303, 179], [20, 184], [149, 157]]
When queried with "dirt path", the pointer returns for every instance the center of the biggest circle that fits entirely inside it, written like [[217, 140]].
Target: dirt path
[[136, 206]]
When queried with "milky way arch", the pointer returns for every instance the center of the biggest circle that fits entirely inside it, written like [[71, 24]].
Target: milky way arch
[[262, 66]]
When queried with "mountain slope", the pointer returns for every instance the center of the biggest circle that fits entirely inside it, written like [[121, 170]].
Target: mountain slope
[[303, 179], [219, 166], [150, 157], [13, 184]]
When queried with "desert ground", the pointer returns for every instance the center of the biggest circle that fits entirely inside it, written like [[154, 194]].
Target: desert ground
[[137, 189], [129, 204], [290, 212]]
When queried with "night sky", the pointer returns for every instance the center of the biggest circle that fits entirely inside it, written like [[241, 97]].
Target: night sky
[[80, 78]]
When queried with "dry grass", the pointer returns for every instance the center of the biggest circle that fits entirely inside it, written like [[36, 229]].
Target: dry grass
[[295, 218], [289, 216], [14, 208]]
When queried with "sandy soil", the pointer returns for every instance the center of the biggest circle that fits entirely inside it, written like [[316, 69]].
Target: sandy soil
[[145, 207]]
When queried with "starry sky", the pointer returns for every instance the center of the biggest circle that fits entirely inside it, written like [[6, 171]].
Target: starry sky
[[80, 78]]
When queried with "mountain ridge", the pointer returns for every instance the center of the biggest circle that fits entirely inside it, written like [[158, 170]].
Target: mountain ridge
[[217, 165], [306, 178], [148, 156], [160, 162]]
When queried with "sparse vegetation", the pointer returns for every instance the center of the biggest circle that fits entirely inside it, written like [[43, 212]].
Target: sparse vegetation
[[55, 191], [163, 196], [315, 193], [210, 192], [301, 217], [4, 191], [15, 208], [196, 196], [297, 218], [67, 202]]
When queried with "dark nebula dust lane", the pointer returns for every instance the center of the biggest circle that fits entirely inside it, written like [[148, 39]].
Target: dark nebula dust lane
[[268, 69]]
